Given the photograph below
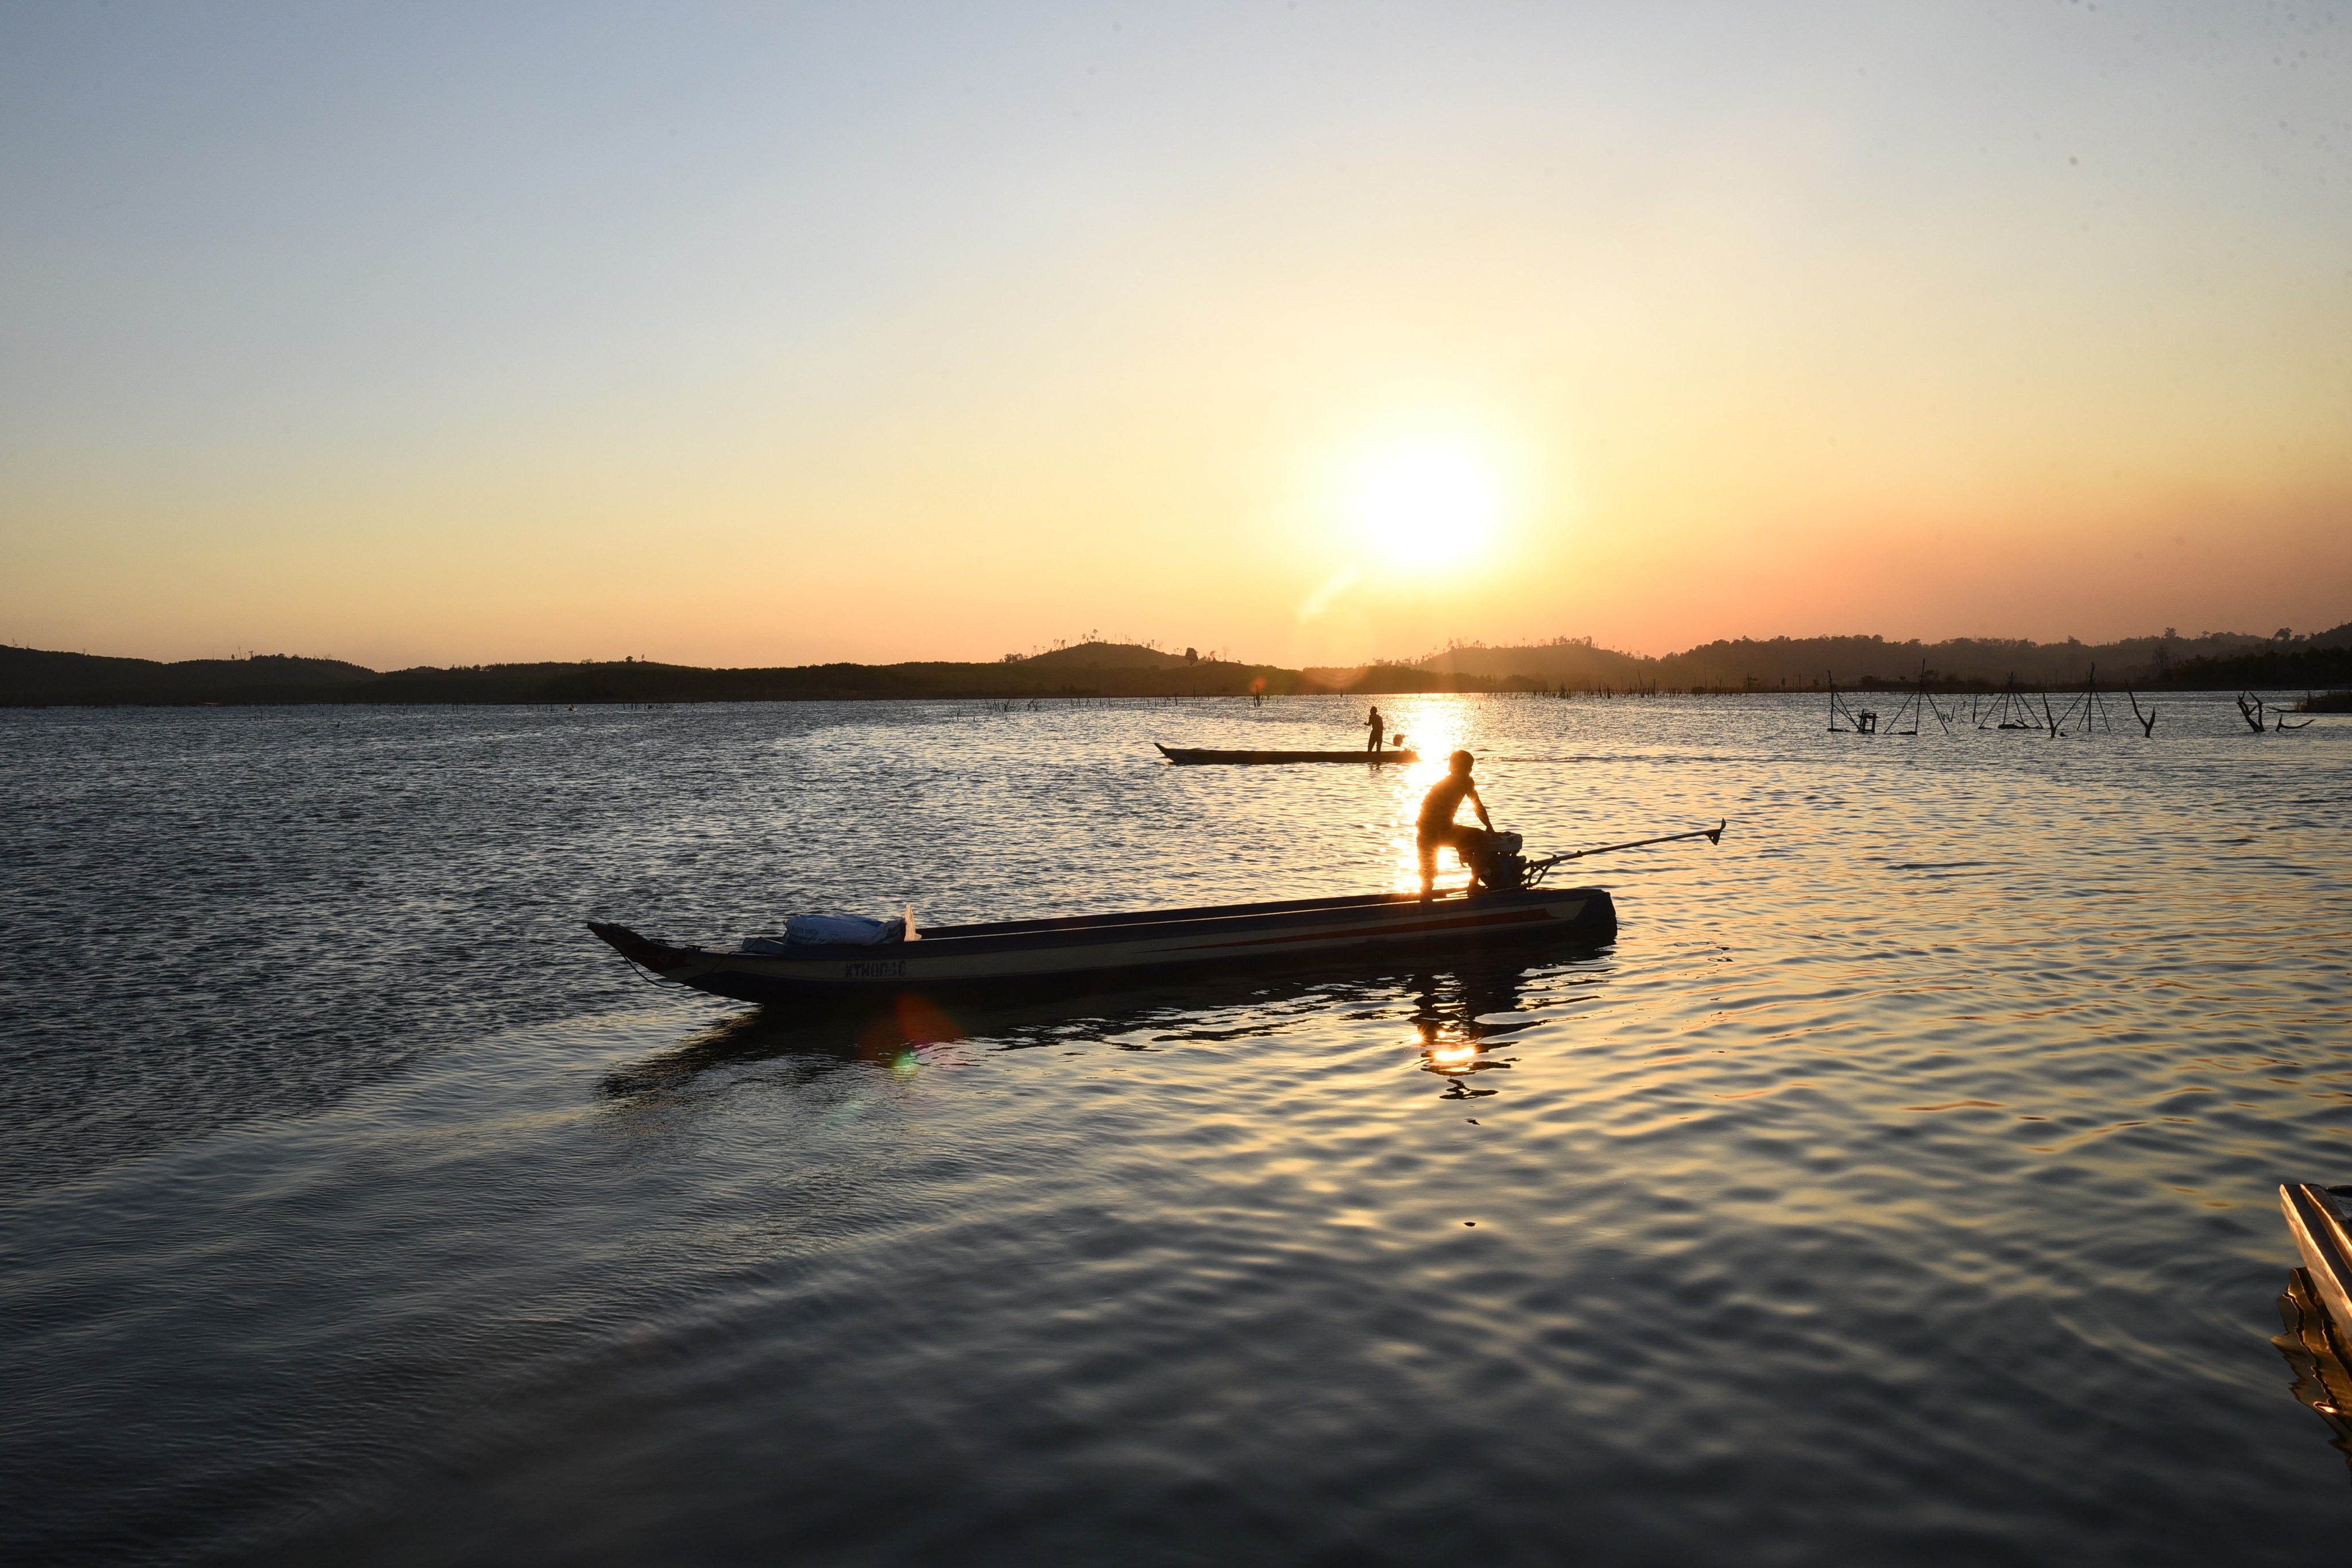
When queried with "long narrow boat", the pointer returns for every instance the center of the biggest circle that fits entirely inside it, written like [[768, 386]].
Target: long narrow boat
[[1084, 951], [1192, 756]]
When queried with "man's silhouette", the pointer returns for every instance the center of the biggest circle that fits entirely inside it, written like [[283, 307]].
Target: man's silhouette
[[1438, 827]]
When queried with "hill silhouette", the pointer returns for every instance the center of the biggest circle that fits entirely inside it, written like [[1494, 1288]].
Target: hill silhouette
[[2217, 658], [34, 677], [1108, 656], [268, 677]]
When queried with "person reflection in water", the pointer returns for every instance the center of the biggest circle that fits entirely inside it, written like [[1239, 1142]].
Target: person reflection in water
[[1455, 1041], [1438, 828]]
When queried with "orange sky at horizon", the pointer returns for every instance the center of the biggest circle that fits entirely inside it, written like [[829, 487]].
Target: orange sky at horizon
[[935, 334]]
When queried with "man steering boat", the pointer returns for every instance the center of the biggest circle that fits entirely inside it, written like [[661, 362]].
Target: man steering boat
[[1437, 827]]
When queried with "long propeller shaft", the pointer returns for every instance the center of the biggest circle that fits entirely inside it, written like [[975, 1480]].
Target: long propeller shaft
[[1713, 835]]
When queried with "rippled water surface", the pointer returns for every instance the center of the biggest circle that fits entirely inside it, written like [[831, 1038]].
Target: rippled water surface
[[1896, 1187]]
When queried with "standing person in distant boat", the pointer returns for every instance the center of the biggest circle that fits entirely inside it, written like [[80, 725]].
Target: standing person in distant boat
[[1438, 829], [1378, 726]]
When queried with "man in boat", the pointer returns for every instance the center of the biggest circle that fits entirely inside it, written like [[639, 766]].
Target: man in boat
[[1438, 829], [1378, 726]]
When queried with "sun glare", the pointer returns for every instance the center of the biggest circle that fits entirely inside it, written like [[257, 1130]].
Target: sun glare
[[1426, 505]]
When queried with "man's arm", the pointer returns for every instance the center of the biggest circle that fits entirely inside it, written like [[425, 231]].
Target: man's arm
[[1481, 805]]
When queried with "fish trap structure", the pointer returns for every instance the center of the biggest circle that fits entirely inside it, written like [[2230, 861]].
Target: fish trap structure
[[1918, 704], [1861, 721], [2085, 709], [2012, 707]]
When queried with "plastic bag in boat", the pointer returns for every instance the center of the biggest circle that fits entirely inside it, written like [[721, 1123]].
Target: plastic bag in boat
[[806, 930]]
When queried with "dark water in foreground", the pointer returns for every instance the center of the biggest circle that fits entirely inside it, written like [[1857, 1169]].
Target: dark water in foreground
[[1897, 1188]]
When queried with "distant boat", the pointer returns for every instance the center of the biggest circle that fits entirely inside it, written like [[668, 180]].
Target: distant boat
[[1187, 756], [1078, 952]]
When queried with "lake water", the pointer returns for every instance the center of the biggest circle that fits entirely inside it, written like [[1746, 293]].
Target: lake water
[[1898, 1186]]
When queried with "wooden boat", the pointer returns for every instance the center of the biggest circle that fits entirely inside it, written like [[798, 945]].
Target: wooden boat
[[1080, 952], [2327, 1247], [1190, 757]]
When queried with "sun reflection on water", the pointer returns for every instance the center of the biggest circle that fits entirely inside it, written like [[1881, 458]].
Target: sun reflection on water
[[1454, 1049], [1455, 1056], [1434, 729]]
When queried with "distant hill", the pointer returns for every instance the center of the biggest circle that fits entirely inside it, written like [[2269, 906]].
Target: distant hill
[[33, 673], [1807, 661], [1108, 656], [2315, 664], [30, 677]]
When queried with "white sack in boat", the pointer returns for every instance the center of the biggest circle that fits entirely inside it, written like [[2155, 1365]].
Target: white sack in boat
[[804, 930]]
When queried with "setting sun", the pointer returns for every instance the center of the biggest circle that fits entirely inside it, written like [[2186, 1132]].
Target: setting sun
[[1419, 504]]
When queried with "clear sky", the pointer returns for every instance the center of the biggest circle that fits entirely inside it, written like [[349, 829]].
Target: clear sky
[[754, 334]]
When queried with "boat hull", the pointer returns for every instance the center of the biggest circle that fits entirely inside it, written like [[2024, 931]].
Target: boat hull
[[1088, 952], [2327, 1246], [1184, 756]]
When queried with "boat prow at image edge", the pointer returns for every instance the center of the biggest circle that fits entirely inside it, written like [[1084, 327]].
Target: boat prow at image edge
[[1075, 951], [2320, 1237]]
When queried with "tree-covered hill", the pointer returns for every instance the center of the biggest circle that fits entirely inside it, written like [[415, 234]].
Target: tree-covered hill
[[32, 677]]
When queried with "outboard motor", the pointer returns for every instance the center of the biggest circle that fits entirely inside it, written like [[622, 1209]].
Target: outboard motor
[[1496, 862]]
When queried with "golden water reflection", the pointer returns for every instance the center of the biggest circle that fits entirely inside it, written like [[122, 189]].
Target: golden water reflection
[[1455, 1051], [1461, 1022], [1435, 727]]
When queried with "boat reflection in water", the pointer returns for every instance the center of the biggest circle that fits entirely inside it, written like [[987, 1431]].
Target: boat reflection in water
[[2315, 1353], [885, 1031], [1460, 1014]]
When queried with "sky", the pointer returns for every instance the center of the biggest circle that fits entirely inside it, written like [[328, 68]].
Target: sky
[[775, 334]]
